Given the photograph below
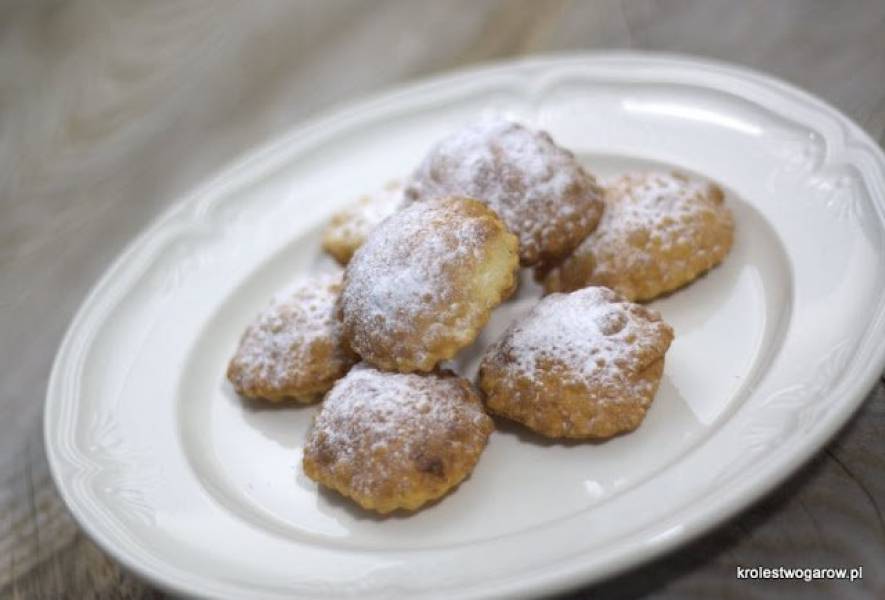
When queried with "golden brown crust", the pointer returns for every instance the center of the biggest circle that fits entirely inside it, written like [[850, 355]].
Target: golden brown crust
[[581, 365], [538, 189], [349, 227], [396, 441], [294, 349], [424, 283], [659, 232]]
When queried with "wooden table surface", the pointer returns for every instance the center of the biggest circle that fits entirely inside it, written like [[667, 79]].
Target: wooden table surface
[[109, 111]]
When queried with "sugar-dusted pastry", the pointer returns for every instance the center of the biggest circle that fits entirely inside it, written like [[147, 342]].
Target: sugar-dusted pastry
[[423, 284], [396, 441], [659, 232], [350, 227], [538, 189], [580, 365], [294, 349]]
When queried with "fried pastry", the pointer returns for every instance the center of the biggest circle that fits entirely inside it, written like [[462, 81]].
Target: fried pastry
[[294, 349], [659, 232], [423, 284], [396, 441], [350, 227], [538, 189], [580, 365]]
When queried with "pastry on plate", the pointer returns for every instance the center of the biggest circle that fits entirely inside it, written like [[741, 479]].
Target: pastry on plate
[[424, 282], [659, 232], [294, 349], [350, 227], [581, 365], [538, 189], [396, 441]]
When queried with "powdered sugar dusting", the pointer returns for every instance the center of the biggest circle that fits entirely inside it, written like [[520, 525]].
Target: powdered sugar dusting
[[537, 188], [371, 413], [657, 210], [356, 221], [283, 341], [591, 336], [401, 280], [659, 232]]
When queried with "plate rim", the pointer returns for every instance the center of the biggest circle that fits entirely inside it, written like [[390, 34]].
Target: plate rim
[[742, 494]]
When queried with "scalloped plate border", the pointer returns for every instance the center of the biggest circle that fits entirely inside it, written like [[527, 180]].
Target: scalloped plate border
[[70, 466]]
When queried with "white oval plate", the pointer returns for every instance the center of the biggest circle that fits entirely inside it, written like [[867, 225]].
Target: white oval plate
[[175, 476]]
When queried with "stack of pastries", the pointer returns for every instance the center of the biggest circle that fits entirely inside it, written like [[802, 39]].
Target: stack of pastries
[[425, 264]]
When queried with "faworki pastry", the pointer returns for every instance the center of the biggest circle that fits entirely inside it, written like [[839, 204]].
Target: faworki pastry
[[396, 441], [350, 227], [659, 232], [294, 349], [581, 365], [423, 284], [538, 189]]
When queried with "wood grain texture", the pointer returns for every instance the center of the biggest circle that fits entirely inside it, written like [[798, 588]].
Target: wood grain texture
[[109, 111]]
